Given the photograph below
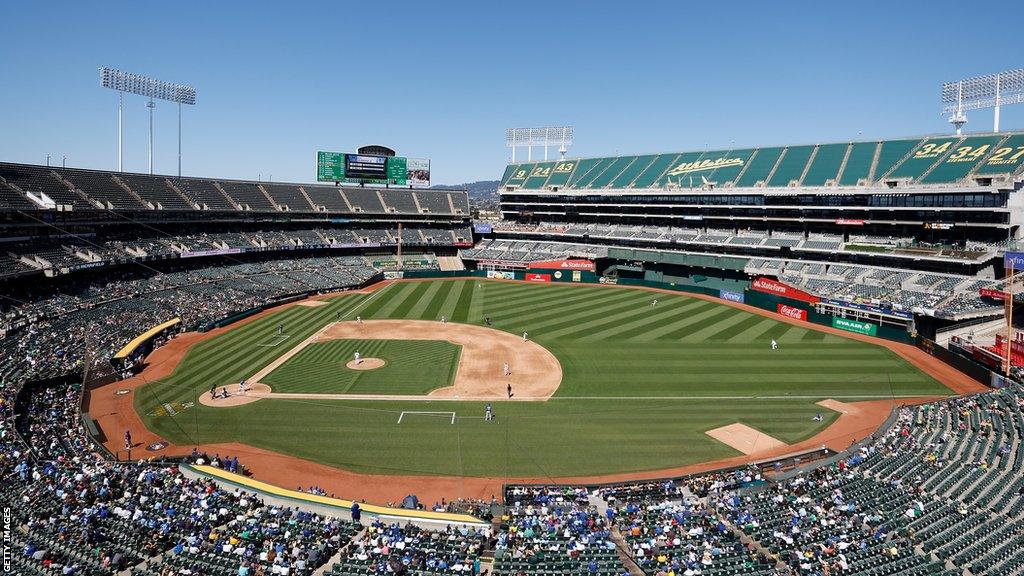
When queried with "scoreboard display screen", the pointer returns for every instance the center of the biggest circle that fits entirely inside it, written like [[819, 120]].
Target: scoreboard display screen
[[363, 167], [372, 169]]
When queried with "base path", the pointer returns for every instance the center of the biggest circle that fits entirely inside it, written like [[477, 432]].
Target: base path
[[535, 372]]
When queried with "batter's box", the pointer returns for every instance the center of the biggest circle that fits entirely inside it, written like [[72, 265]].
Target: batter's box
[[444, 415]]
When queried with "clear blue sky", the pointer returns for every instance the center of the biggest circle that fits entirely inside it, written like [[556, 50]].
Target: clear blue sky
[[277, 81]]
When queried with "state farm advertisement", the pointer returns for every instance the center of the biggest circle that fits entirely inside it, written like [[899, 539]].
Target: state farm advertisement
[[531, 277], [770, 286], [565, 265], [792, 312]]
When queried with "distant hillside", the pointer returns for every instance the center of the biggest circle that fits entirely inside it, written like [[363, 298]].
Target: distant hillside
[[482, 193]]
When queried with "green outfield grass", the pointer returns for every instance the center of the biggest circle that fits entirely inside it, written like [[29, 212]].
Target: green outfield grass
[[411, 367], [641, 384]]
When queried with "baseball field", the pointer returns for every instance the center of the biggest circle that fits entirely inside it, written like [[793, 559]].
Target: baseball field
[[608, 382]]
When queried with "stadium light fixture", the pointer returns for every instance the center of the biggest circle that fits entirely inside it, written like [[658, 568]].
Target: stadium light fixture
[[153, 89], [560, 136], [989, 91]]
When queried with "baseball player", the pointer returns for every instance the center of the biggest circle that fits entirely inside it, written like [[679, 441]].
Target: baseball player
[[280, 329], [359, 359], [525, 335], [654, 302], [444, 319], [488, 412], [509, 389], [487, 320], [507, 372], [241, 386], [359, 319], [775, 345]]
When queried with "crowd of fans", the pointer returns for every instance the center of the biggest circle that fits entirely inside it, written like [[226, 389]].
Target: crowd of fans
[[44, 341]]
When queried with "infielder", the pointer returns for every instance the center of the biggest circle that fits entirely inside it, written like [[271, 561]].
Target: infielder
[[241, 386], [359, 319], [508, 372], [525, 334], [488, 413], [444, 319]]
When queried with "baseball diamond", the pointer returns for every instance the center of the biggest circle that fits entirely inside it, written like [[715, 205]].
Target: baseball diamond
[[701, 312], [714, 368]]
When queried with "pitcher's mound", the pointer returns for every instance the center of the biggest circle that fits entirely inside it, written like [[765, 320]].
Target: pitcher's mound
[[365, 364]]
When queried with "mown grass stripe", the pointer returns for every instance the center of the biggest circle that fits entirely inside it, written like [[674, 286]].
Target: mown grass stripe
[[433, 310], [461, 312], [690, 306], [665, 313], [426, 299], [571, 313], [749, 321], [710, 332], [755, 332], [710, 313]]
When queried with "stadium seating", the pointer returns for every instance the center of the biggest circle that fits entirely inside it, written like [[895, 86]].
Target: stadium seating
[[288, 195], [922, 160], [156, 191]]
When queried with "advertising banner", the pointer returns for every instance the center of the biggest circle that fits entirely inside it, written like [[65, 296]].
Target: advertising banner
[[219, 252], [501, 275], [770, 286], [990, 293], [731, 296], [482, 228], [849, 222], [1014, 260], [531, 277], [393, 275], [587, 265], [792, 312], [857, 326]]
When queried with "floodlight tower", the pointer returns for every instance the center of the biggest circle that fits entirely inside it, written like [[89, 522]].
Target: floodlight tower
[[560, 136], [154, 89], [989, 91]]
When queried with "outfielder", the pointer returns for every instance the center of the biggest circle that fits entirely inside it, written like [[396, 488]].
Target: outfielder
[[775, 345]]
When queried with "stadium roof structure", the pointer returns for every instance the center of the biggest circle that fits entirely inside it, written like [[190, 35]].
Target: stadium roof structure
[[974, 159]]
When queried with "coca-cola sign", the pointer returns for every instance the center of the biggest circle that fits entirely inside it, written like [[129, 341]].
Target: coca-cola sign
[[792, 312]]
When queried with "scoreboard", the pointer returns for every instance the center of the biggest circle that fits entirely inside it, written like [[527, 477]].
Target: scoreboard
[[372, 169]]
